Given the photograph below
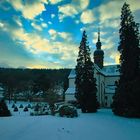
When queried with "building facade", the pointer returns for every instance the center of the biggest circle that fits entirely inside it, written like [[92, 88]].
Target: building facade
[[106, 76]]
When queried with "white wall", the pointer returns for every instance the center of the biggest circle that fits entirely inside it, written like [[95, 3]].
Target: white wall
[[101, 81], [72, 82], [70, 97], [108, 100]]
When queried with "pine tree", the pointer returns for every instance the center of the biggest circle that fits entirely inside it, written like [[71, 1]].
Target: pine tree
[[4, 109], [127, 96], [85, 81]]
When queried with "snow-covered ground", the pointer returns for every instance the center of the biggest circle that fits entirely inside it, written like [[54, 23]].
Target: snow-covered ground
[[102, 125]]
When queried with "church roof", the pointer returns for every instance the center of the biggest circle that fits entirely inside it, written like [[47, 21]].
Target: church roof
[[70, 91], [72, 74], [109, 70]]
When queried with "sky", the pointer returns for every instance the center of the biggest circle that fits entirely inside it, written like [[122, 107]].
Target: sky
[[47, 33]]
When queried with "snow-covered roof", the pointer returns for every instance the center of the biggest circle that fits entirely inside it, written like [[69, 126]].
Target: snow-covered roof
[[110, 89], [70, 91], [110, 70], [72, 74]]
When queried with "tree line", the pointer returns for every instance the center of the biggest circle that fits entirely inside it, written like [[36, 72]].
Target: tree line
[[32, 81]]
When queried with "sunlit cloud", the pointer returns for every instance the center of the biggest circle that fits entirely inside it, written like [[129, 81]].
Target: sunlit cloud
[[55, 1], [44, 25], [115, 56], [72, 9], [67, 10], [110, 10], [35, 26], [109, 13], [55, 34], [29, 9], [87, 17], [38, 45]]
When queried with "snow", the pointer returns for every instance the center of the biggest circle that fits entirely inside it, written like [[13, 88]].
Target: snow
[[72, 74], [109, 70], [102, 125], [70, 90]]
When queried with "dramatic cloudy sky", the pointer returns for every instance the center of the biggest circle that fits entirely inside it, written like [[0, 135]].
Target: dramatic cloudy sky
[[47, 33]]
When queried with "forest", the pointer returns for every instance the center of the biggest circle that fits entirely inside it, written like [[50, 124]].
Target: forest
[[28, 83]]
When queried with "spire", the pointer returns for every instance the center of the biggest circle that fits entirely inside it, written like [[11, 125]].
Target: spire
[[98, 34], [98, 44], [99, 53]]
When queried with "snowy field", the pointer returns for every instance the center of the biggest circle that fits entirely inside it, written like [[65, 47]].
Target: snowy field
[[102, 125]]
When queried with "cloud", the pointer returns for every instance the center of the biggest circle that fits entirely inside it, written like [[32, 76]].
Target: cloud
[[67, 10], [83, 4], [55, 1], [115, 56], [13, 54], [72, 9], [52, 15], [77, 21], [87, 17], [53, 34], [112, 9], [18, 21], [49, 22], [39, 25], [58, 54], [29, 9], [64, 35], [35, 26], [33, 47], [1, 25], [44, 25], [111, 23]]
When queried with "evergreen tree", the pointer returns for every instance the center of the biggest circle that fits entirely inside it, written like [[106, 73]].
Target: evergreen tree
[[4, 109], [85, 81], [127, 96]]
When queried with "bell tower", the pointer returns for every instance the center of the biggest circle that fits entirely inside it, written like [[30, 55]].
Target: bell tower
[[98, 55]]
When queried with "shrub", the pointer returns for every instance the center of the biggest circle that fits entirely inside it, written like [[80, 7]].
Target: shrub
[[15, 109], [13, 106], [21, 106], [25, 109], [29, 106], [74, 103], [4, 109], [38, 113], [68, 111]]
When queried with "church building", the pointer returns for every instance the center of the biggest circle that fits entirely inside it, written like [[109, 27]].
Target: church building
[[105, 78]]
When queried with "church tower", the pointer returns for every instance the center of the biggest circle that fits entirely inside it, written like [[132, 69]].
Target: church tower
[[99, 53]]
